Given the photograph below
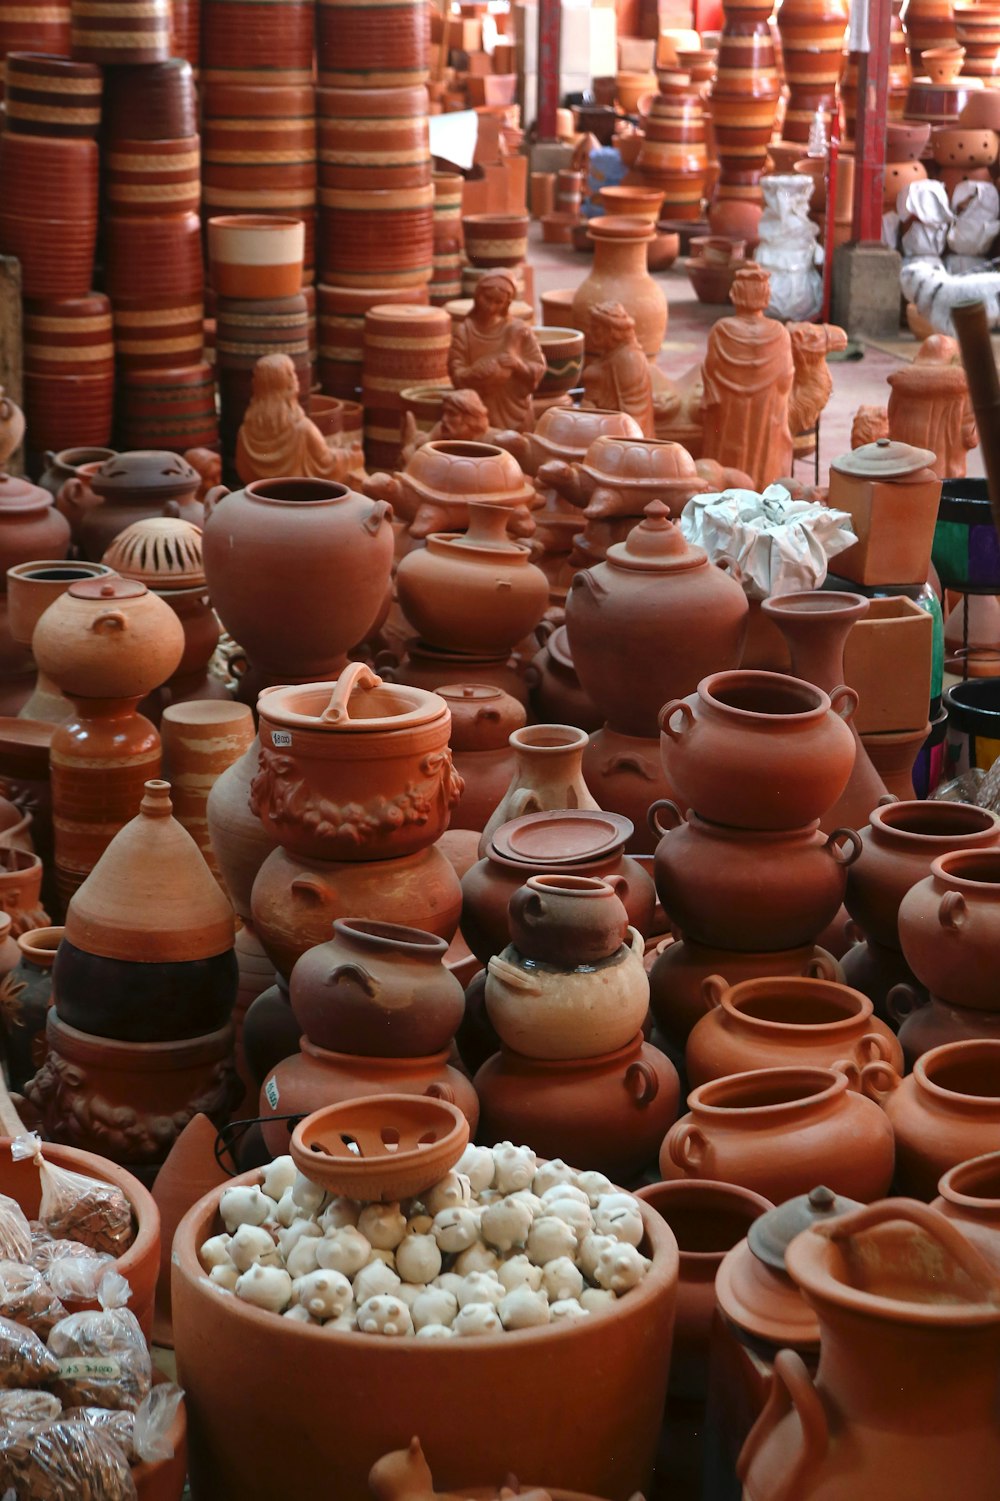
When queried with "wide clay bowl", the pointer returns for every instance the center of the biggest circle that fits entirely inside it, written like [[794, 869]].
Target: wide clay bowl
[[906, 140], [943, 64], [380, 1148], [964, 147]]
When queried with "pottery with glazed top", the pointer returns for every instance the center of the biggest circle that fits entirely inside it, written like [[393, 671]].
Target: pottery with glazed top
[[297, 534], [898, 847], [649, 622], [778, 1130], [354, 769], [620, 274], [377, 989], [949, 928], [254, 255], [904, 1396], [969, 1194], [758, 750], [749, 888], [567, 919], [784, 1022], [482, 720], [548, 774]]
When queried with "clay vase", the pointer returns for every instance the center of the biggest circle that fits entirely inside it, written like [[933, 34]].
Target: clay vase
[[812, 50], [316, 1077], [569, 920], [949, 928], [816, 625], [482, 721], [942, 1113], [240, 842], [190, 1171], [298, 533], [707, 1219], [969, 1194], [476, 591], [548, 774], [377, 989], [620, 274], [758, 750], [147, 952], [749, 889], [784, 1023], [648, 623], [200, 742], [903, 1398], [898, 847], [28, 995], [780, 1130], [605, 1111]]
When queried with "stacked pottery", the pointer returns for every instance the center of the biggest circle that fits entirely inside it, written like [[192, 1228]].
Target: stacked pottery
[[758, 758], [144, 980], [712, 265], [48, 217], [340, 320], [673, 155], [69, 373], [404, 345], [446, 278], [743, 104], [626, 620], [905, 144], [31, 588], [51, 96], [134, 32], [30, 527], [568, 998], [977, 29], [812, 51], [35, 30], [620, 273], [483, 724], [201, 740]]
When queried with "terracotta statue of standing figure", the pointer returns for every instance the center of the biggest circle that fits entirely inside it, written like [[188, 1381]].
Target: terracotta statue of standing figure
[[618, 380], [497, 355], [277, 438], [929, 406], [748, 373]]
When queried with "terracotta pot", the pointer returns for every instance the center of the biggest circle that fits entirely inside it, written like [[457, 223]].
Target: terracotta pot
[[270, 1034], [277, 36], [482, 721], [708, 1219], [620, 274], [156, 103], [190, 1171], [340, 323], [626, 774], [925, 1022], [786, 1023], [30, 988], [969, 1194], [316, 790], [556, 695], [495, 239], [605, 1111], [652, 590], [295, 901], [51, 96], [297, 530], [255, 257], [812, 44], [147, 255], [563, 351], [633, 201], [742, 889], [402, 343], [877, 485], [778, 1130], [200, 742], [947, 924], [108, 638], [377, 989], [426, 667], [69, 336], [547, 775], [875, 970], [775, 727], [30, 526], [136, 33], [567, 920], [240, 843], [375, 136], [133, 487], [359, 47], [377, 238]]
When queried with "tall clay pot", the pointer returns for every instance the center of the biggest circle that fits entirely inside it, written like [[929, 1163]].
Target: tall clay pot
[[812, 51], [620, 274], [742, 106], [548, 773]]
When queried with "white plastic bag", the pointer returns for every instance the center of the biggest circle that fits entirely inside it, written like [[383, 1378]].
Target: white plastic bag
[[976, 206], [925, 218], [781, 545], [788, 248]]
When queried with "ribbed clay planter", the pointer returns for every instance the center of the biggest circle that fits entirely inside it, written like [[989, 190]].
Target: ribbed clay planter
[[377, 238], [153, 177], [361, 44], [495, 239], [46, 31], [403, 344], [812, 50], [51, 96], [69, 336], [168, 408], [135, 31], [147, 255], [154, 334], [275, 35], [620, 274], [78, 407], [152, 103], [373, 138], [340, 322]]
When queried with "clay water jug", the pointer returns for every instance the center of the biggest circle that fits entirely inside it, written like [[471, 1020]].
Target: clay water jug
[[621, 274]]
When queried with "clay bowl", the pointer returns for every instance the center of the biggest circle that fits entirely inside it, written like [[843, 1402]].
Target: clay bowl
[[563, 351], [641, 203], [964, 147], [906, 140], [629, 146], [716, 250], [981, 111], [943, 64], [380, 1148]]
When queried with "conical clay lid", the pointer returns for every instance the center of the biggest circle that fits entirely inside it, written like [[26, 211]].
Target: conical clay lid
[[151, 898]]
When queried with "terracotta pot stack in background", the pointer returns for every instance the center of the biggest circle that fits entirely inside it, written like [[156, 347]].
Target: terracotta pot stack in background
[[404, 345], [743, 105], [812, 50], [673, 155], [446, 278]]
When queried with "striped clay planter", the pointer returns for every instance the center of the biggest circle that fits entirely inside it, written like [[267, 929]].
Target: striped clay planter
[[812, 51], [340, 325], [51, 96], [448, 209], [378, 238], [48, 212], [150, 104], [929, 23], [150, 256], [744, 98], [157, 333], [373, 138], [250, 37], [170, 409], [246, 330], [72, 411], [674, 153], [185, 30], [71, 336], [404, 346], [495, 239], [377, 44], [446, 276], [255, 255], [152, 177], [120, 31], [27, 26]]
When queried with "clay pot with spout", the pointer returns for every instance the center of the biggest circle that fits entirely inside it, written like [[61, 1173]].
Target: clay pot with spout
[[548, 774], [969, 1194], [949, 928]]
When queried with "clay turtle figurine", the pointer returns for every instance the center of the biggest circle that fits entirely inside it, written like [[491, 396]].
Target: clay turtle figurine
[[620, 476], [433, 492]]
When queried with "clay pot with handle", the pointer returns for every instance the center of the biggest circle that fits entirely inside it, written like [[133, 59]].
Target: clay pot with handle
[[949, 928]]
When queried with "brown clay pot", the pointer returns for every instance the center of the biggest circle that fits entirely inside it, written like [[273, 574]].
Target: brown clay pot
[[925, 1022], [30, 526], [482, 721], [133, 486], [942, 1113], [190, 1171], [626, 775], [969, 1194], [567, 920], [21, 888], [949, 927], [375, 136], [359, 47]]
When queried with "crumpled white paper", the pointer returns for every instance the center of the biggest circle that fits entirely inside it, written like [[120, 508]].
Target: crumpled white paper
[[926, 217], [935, 291], [976, 206], [781, 545]]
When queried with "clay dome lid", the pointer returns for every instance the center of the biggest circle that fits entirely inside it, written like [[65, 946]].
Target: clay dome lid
[[884, 459], [107, 586], [156, 473], [567, 432], [359, 702], [446, 470], [643, 461], [162, 552], [657, 545], [772, 1234], [21, 495], [763, 1302], [151, 898]]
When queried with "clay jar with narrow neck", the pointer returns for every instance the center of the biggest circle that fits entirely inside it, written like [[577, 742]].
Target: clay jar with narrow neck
[[648, 623], [483, 718], [969, 1194], [379, 989], [816, 625], [949, 928], [621, 274], [780, 1130], [899, 845], [947, 1110], [548, 774], [784, 1022], [474, 591], [758, 750], [298, 535]]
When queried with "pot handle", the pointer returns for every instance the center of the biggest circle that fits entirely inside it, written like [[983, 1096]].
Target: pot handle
[[381, 511], [850, 1069], [886, 800], [848, 852], [108, 621], [952, 913], [637, 942], [544, 629], [791, 1389], [70, 492], [902, 1001], [522, 800], [938, 1226], [441, 1091], [663, 805], [872, 1073], [823, 966], [311, 887], [585, 578], [212, 498], [688, 1147], [509, 974], [642, 1083], [713, 988], [355, 675], [675, 706], [358, 974], [844, 701], [874, 1048]]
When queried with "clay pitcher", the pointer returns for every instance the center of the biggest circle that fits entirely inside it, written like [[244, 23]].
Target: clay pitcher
[[548, 774]]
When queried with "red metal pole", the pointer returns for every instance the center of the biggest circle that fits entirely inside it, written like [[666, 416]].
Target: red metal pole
[[873, 98], [832, 176], [549, 24]]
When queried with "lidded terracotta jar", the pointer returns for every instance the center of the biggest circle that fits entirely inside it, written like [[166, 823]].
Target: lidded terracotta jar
[[30, 525], [969, 1194], [132, 486], [649, 622], [108, 637], [620, 274], [483, 718], [949, 928], [946, 1110], [548, 774]]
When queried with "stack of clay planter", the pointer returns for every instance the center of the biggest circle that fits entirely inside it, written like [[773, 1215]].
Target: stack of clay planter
[[743, 105], [673, 155], [404, 345], [446, 278], [139, 1038], [497, 241], [812, 51], [43, 29]]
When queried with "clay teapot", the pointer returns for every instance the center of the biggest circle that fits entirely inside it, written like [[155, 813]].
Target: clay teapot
[[132, 486], [108, 637]]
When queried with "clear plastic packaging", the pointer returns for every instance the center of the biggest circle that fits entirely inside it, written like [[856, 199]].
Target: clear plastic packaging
[[65, 1461], [20, 1410], [46, 1251], [103, 1360], [110, 1421], [15, 1232], [24, 1360], [144, 1435], [78, 1207], [26, 1298], [79, 1279]]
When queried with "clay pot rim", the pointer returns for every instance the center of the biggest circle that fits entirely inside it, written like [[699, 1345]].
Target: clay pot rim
[[622, 227], [881, 820], [265, 222], [767, 988], [38, 945], [829, 604], [296, 490], [945, 1055], [499, 218], [712, 830], [818, 1086], [686, 1192], [377, 1063], [955, 1184], [55, 570], [416, 942], [711, 687], [575, 739], [281, 705], [141, 1057], [550, 333], [16, 862], [511, 552], [948, 867], [585, 887]]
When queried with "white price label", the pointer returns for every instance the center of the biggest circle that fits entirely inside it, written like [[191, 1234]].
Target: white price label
[[271, 1093], [281, 737]]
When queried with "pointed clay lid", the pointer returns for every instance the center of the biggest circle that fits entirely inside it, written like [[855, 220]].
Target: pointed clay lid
[[884, 459], [657, 545], [151, 898]]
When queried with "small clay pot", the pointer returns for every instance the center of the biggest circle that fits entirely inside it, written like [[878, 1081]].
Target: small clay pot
[[943, 64], [970, 1195], [30, 993], [949, 928], [567, 920]]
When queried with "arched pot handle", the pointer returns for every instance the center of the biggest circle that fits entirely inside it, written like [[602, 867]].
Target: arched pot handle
[[952, 912], [508, 974], [642, 1083], [356, 973], [886, 800], [823, 966], [663, 805], [108, 621], [544, 629], [310, 887], [872, 1073], [688, 1148], [791, 1389], [636, 941], [844, 702], [848, 852], [853, 933], [441, 1091], [522, 800], [730, 565], [850, 1069], [354, 675], [936, 1225], [212, 498], [586, 579], [901, 1002], [70, 492], [874, 1048], [381, 511], [713, 988], [675, 706], [488, 716]]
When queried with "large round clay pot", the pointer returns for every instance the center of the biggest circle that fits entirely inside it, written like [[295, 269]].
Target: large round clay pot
[[925, 1022], [969, 1194], [948, 1109], [780, 1131], [708, 1219], [378, 989], [949, 928], [354, 769], [783, 1023], [548, 774], [620, 274], [298, 534], [108, 638], [240, 841], [898, 847], [649, 622], [749, 889], [605, 1111], [758, 750]]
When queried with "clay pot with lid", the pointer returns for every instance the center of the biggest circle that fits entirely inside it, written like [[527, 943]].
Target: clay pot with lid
[[969, 1194], [482, 720], [108, 637], [758, 750], [30, 526], [620, 274], [355, 769], [898, 847], [784, 1022], [776, 1130], [749, 889], [648, 623], [31, 588], [892, 495], [548, 774], [379, 989], [130, 487]]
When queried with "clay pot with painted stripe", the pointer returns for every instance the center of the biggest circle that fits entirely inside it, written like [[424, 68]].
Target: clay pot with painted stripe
[[153, 177], [373, 138], [368, 44], [377, 238], [247, 36], [132, 31], [51, 96]]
